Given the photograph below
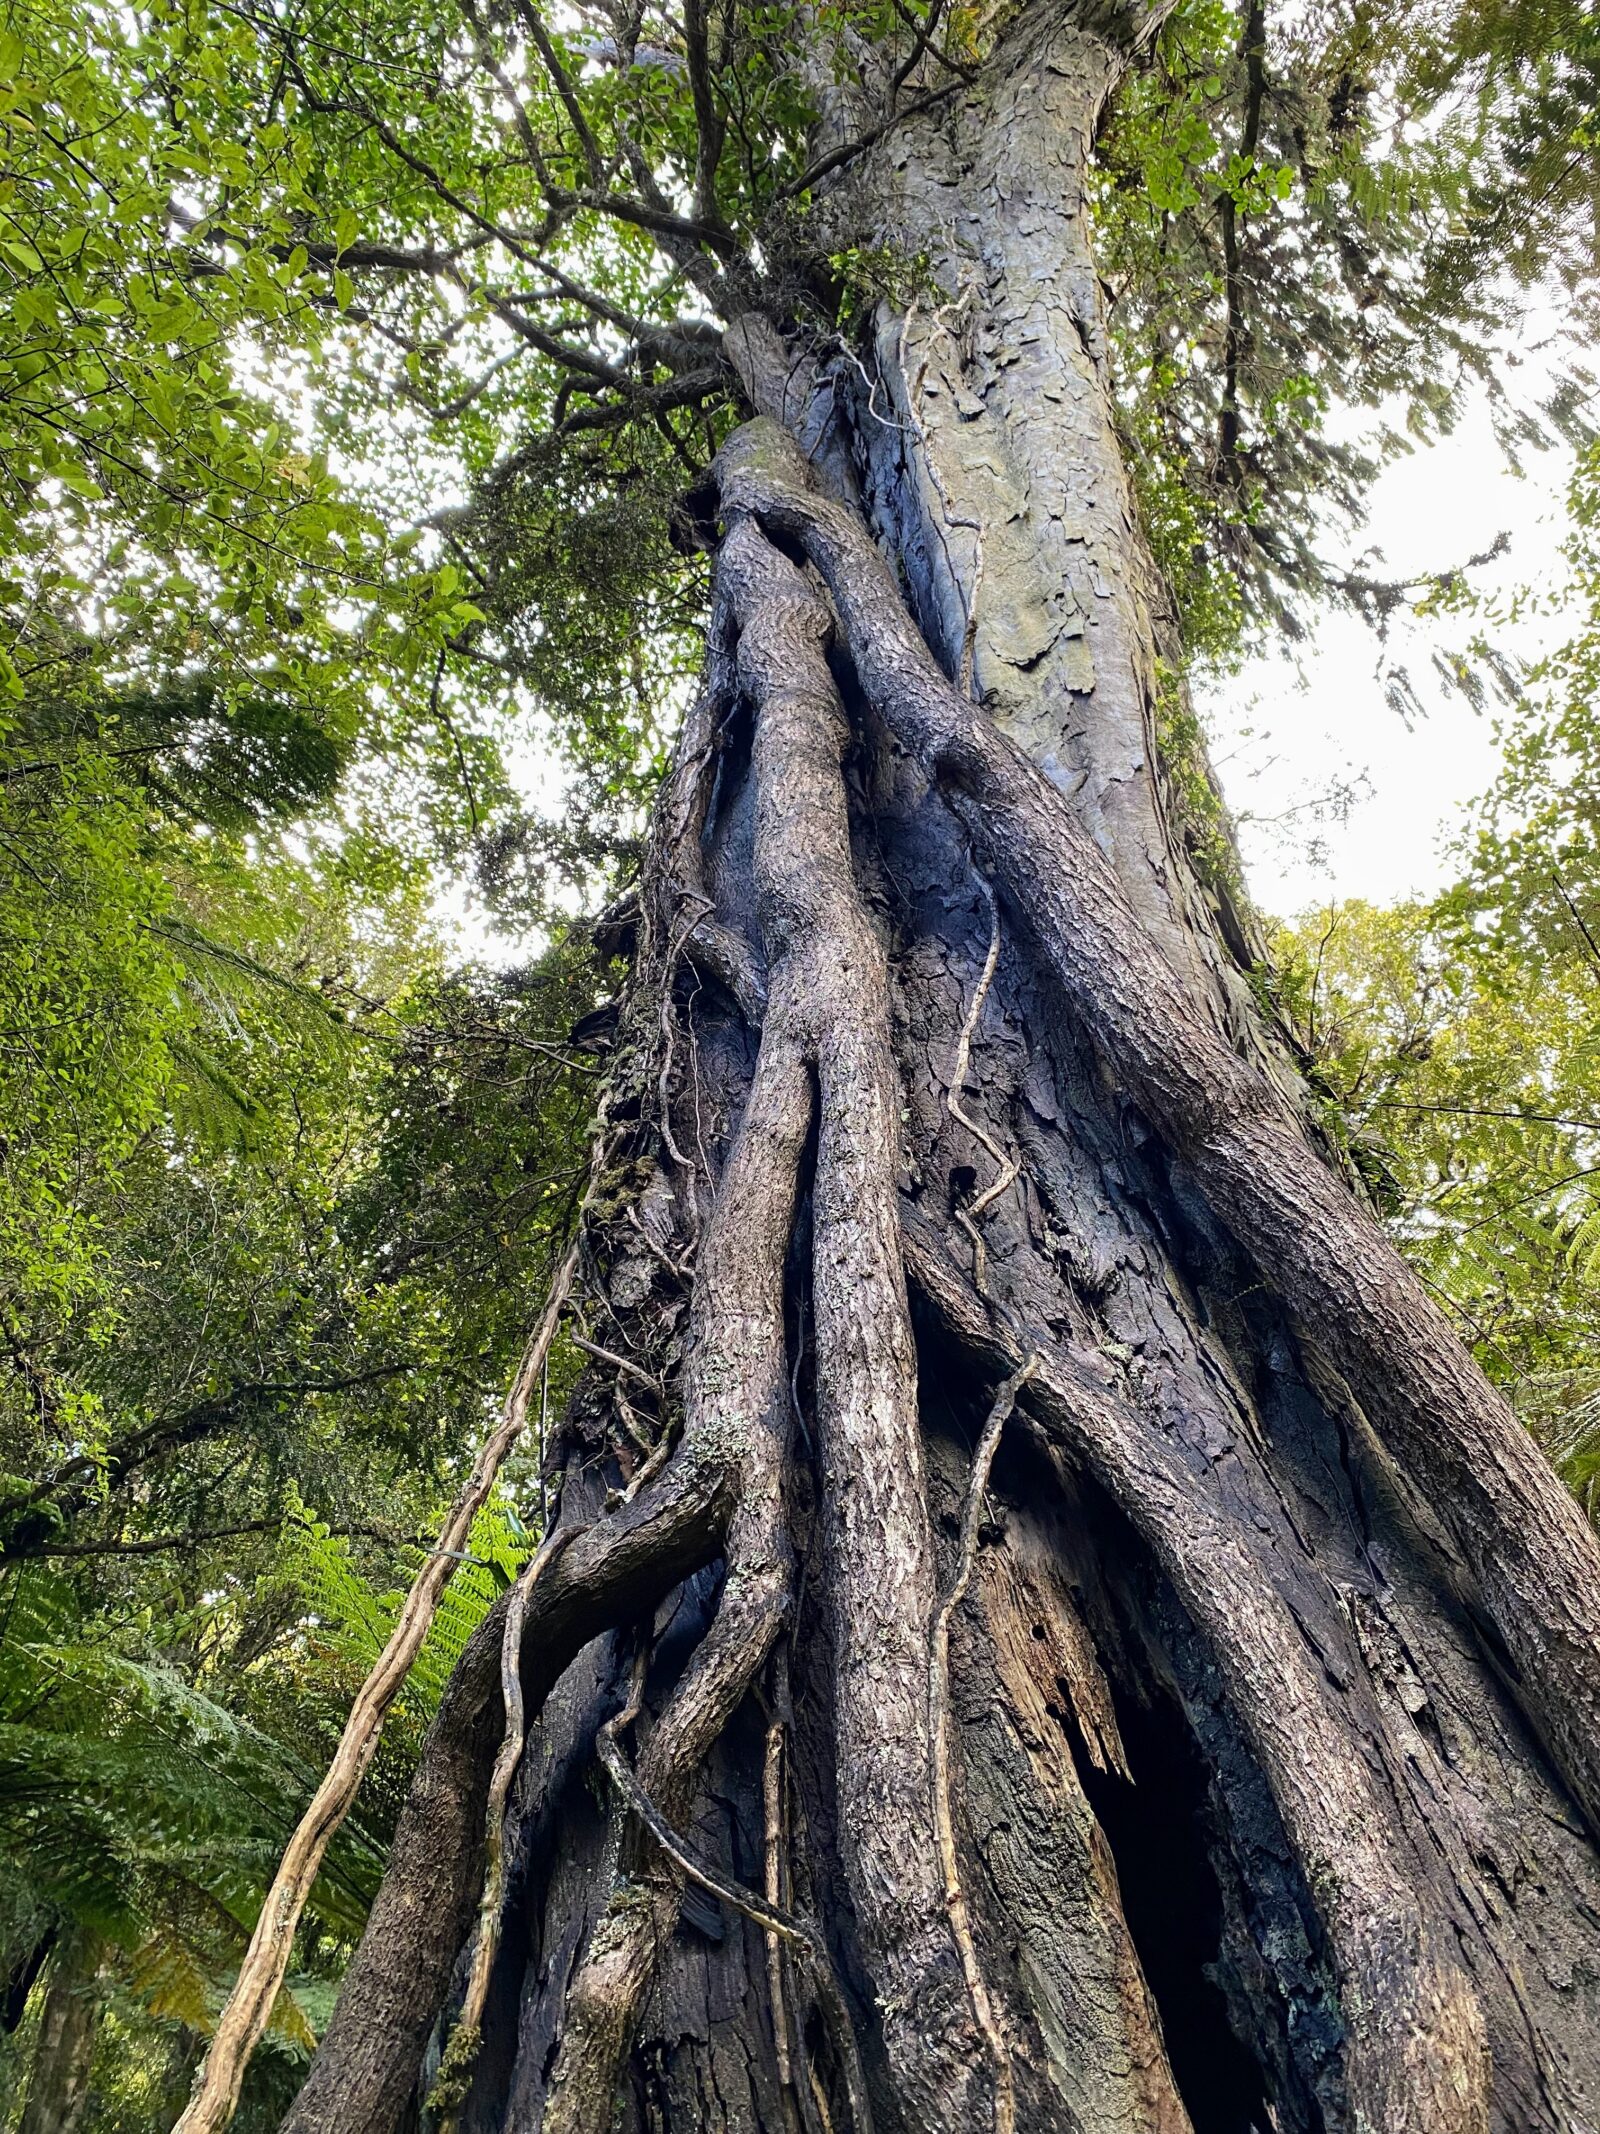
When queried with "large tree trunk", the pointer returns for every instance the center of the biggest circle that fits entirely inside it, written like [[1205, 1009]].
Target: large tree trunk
[[1109, 1660]]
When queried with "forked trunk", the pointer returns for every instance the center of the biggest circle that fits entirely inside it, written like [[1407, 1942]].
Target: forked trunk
[[1055, 1633]]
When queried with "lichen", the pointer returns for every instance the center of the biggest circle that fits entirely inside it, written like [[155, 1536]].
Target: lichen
[[628, 1902]]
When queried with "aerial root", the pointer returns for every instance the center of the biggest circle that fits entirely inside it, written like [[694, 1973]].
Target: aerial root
[[1533, 1557], [873, 1525], [779, 1924], [1005, 2100], [1007, 1166]]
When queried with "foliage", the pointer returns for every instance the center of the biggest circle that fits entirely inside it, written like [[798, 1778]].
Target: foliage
[[138, 1811], [1460, 1045], [353, 1623], [162, 513], [1309, 213], [353, 364], [299, 1327]]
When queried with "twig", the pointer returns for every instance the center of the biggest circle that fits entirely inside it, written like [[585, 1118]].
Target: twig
[[1008, 1166], [800, 1932], [643, 1443], [848, 151], [618, 1363], [1578, 919], [680, 1268], [159, 1542], [1005, 2101], [656, 1457], [1485, 1111]]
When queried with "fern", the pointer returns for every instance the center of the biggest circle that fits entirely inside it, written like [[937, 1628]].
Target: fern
[[235, 1001], [356, 1621], [1583, 1247], [1562, 1409], [136, 1808]]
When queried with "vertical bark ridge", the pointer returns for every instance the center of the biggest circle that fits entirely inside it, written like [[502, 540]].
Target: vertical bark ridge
[[1000, 381], [874, 1517], [1533, 1556], [1035, 1836]]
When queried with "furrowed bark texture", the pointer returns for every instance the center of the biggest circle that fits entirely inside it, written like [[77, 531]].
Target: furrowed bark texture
[[1074, 1641], [63, 2053]]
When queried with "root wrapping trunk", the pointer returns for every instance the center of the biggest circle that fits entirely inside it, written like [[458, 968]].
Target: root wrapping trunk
[[1056, 1633]]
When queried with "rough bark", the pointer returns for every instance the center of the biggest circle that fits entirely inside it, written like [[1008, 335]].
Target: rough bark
[[1076, 1628], [63, 2054]]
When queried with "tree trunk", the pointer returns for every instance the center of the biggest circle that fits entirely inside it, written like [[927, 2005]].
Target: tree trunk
[[1058, 1634], [63, 2055]]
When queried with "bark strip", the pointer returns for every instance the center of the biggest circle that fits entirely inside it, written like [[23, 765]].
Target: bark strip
[[955, 1898]]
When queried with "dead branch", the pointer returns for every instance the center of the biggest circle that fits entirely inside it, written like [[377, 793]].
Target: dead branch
[[248, 2006]]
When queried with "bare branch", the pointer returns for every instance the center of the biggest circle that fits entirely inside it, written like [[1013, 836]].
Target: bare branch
[[544, 44]]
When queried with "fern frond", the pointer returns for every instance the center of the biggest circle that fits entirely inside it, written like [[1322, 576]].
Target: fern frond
[[358, 1621]]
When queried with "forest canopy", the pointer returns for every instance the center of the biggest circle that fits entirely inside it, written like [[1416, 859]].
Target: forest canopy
[[362, 369]]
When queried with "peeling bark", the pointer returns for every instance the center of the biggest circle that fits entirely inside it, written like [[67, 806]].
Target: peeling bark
[[1207, 1740]]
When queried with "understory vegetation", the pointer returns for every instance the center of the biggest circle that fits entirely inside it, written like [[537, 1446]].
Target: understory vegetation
[[353, 582]]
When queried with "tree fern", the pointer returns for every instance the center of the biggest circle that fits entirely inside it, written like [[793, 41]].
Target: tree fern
[[137, 1808]]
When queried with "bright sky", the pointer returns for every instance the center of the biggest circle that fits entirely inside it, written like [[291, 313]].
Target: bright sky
[[1285, 733]]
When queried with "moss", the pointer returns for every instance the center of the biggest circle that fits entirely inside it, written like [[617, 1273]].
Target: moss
[[1197, 805], [454, 2079], [619, 1187]]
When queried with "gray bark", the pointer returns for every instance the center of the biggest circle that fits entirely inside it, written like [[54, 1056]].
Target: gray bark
[[1273, 1691], [63, 2054]]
